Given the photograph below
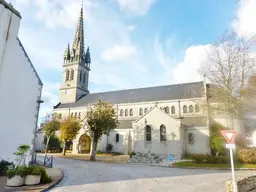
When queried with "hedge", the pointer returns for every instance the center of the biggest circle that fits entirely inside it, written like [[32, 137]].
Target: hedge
[[209, 159], [247, 155]]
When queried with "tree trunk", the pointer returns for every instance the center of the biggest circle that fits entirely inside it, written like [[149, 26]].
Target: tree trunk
[[47, 143], [64, 148], [93, 151]]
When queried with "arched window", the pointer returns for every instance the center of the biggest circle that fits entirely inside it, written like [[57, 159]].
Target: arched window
[[173, 110], [131, 112], [126, 112], [185, 109], [148, 133], [67, 75], [167, 110], [75, 114], [117, 137], [72, 74], [84, 78], [81, 76], [145, 110], [191, 109], [197, 109], [121, 112], [162, 133], [141, 111], [72, 114], [79, 115], [191, 138]]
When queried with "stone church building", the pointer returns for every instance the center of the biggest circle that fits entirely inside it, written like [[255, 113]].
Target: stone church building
[[166, 120]]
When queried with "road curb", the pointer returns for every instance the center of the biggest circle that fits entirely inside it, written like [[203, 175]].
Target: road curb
[[209, 168], [54, 183]]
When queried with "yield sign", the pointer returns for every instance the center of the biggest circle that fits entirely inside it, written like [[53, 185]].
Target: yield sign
[[229, 135]]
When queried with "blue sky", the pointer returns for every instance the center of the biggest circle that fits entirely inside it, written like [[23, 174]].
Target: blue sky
[[133, 43]]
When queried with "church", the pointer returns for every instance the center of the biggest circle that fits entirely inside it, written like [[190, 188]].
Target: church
[[167, 120]]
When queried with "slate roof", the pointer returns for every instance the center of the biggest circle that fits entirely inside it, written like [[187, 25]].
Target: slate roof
[[159, 93], [10, 7]]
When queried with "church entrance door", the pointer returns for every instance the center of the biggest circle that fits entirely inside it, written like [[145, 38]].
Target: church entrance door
[[84, 144]]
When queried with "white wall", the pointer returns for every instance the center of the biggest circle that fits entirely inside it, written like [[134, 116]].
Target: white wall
[[201, 140], [20, 90], [155, 118]]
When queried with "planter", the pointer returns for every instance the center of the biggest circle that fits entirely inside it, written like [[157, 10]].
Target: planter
[[15, 181], [32, 179]]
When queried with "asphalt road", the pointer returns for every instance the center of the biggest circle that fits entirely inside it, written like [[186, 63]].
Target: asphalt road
[[84, 176]]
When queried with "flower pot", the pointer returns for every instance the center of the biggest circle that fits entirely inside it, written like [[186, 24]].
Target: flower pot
[[32, 179], [15, 181]]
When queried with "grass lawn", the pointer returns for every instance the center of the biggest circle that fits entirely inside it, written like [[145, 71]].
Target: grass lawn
[[185, 164]]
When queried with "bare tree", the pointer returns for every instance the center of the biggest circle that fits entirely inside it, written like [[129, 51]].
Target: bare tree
[[229, 67]]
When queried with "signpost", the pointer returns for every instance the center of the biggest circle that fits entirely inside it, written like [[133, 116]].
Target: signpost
[[229, 135]]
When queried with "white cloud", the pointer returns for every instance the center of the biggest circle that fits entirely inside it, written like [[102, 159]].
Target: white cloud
[[131, 28], [187, 70], [245, 24], [119, 53], [137, 7]]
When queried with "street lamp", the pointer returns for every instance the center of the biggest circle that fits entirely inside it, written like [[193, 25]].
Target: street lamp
[[34, 139]]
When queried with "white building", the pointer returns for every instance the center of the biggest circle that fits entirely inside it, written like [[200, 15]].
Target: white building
[[20, 87], [165, 120]]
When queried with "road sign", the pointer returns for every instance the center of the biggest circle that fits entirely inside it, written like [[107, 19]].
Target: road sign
[[230, 146], [170, 158], [229, 135]]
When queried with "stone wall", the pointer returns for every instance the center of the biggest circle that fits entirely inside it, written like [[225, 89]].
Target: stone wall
[[245, 184], [150, 159]]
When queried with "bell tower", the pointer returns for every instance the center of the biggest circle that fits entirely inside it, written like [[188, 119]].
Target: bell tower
[[76, 67]]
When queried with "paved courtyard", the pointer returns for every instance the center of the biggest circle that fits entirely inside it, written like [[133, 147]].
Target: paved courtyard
[[87, 176]]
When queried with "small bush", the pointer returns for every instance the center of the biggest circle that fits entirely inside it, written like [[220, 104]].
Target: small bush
[[198, 158], [21, 170], [109, 148], [132, 153], [33, 170], [44, 176], [4, 166], [209, 159], [247, 155]]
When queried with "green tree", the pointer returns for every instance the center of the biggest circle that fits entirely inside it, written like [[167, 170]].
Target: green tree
[[100, 118], [217, 141], [69, 129], [21, 154], [54, 143], [51, 125]]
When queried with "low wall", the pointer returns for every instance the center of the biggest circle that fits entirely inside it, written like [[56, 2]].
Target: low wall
[[245, 184]]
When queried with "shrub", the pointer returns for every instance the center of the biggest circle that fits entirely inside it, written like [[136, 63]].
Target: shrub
[[209, 159], [198, 158], [33, 170], [132, 153], [247, 155], [109, 148], [21, 170], [4, 166], [44, 176]]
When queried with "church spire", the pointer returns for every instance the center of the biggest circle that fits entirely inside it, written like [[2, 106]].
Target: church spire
[[78, 44]]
